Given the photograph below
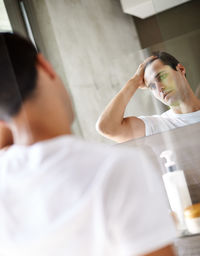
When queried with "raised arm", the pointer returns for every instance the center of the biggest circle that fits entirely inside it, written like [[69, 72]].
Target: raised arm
[[112, 123], [6, 138]]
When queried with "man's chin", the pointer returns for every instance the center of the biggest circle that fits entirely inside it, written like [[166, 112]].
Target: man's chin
[[171, 100], [173, 103]]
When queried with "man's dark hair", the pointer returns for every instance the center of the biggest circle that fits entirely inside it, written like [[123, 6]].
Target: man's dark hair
[[18, 73], [165, 58]]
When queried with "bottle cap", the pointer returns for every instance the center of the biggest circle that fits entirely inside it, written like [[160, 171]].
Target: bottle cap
[[192, 211], [170, 164]]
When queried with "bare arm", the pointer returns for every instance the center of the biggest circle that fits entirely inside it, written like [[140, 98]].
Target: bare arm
[[165, 251], [6, 138], [112, 123]]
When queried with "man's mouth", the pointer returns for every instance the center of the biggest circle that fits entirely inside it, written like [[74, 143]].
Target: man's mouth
[[166, 93]]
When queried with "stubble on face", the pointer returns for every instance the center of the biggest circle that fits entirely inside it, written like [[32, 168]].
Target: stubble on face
[[163, 83]]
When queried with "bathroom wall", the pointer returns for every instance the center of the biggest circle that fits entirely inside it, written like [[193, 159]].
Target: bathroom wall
[[95, 48]]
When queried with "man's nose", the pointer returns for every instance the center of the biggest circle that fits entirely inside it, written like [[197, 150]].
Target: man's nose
[[160, 87]]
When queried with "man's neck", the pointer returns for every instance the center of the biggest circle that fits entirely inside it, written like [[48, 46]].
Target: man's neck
[[191, 104], [27, 131]]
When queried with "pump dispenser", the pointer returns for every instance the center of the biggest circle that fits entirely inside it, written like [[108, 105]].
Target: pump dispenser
[[176, 188], [170, 165]]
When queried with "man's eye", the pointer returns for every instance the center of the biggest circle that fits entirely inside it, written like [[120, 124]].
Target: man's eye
[[152, 86], [162, 77]]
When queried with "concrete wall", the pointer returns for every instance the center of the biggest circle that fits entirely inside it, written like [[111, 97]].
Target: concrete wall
[[95, 48]]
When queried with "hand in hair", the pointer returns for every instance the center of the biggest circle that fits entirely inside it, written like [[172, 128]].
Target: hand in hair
[[140, 72]]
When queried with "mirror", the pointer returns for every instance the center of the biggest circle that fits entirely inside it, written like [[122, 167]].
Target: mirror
[[96, 49]]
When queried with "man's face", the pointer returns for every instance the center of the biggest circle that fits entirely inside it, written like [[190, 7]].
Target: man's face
[[166, 84]]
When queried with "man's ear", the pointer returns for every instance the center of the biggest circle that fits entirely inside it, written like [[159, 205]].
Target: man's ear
[[45, 65], [3, 123], [181, 68]]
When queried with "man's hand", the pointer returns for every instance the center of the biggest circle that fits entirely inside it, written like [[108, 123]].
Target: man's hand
[[139, 74], [6, 138]]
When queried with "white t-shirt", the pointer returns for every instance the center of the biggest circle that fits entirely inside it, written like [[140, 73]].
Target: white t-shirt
[[168, 120], [65, 197]]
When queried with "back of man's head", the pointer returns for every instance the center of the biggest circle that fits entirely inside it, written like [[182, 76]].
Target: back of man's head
[[18, 73], [165, 58]]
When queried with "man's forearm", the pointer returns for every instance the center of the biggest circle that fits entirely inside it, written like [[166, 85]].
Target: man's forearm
[[114, 113]]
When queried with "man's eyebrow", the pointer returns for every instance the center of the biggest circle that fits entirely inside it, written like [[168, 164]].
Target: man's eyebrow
[[158, 74]]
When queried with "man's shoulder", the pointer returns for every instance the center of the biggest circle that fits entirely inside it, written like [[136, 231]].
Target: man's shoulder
[[72, 155], [105, 151], [168, 114], [65, 150], [101, 156], [67, 144], [191, 115]]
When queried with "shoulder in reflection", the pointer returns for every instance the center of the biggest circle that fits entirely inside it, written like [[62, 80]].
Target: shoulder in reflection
[[60, 195], [166, 78]]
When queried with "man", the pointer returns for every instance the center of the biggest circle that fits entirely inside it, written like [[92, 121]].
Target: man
[[58, 194], [166, 78]]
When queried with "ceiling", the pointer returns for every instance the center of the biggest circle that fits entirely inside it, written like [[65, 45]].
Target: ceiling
[[146, 8]]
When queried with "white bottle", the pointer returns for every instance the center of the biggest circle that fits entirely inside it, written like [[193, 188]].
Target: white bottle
[[177, 189]]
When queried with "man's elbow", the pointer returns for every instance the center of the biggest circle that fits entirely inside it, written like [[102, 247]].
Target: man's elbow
[[105, 129], [101, 127]]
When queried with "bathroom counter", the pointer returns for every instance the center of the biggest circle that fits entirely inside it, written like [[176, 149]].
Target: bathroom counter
[[188, 245], [185, 142]]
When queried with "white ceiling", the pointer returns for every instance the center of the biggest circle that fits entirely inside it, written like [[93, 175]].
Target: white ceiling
[[146, 8]]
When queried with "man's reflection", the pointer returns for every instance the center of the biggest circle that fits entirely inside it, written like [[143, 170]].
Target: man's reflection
[[166, 78]]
